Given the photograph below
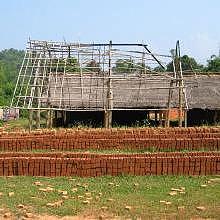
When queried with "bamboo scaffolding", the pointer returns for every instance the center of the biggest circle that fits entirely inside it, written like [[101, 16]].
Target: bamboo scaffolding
[[60, 76]]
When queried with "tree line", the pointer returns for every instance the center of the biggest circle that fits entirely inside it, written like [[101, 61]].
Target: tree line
[[11, 59]]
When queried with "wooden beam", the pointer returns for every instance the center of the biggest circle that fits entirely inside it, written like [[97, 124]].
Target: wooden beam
[[30, 119]]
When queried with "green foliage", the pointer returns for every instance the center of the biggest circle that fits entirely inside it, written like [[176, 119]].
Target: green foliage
[[159, 69], [213, 64], [124, 66], [10, 61], [188, 63], [93, 66], [71, 65]]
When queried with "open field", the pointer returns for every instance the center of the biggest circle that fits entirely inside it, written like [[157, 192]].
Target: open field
[[146, 197]]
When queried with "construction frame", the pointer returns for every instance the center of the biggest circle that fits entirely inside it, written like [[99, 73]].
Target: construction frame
[[59, 77]]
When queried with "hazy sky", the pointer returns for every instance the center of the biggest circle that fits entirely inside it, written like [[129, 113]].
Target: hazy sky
[[159, 23]]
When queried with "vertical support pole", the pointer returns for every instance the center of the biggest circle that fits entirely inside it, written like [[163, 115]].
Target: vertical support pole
[[215, 117], [51, 119], [38, 118], [160, 118], [180, 102], [64, 118], [54, 122], [108, 113], [185, 118], [148, 115], [38, 103], [167, 124], [106, 119], [155, 116], [30, 119], [48, 119], [180, 82]]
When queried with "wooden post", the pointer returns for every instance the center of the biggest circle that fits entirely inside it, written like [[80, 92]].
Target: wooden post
[[160, 118], [155, 116], [180, 103], [30, 119], [38, 118], [106, 119], [167, 124], [148, 115], [108, 113], [64, 117], [51, 119], [48, 119], [38, 111], [185, 118]]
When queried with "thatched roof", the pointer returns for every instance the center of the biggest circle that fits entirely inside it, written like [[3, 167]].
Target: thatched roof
[[205, 93], [90, 92]]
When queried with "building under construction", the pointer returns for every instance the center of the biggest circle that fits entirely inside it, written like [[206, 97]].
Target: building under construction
[[60, 82]]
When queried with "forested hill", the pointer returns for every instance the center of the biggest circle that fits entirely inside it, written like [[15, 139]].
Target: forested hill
[[10, 62]]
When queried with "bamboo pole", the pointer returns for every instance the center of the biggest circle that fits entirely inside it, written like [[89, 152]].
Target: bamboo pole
[[160, 118], [167, 124], [108, 114], [180, 104], [30, 119], [185, 118]]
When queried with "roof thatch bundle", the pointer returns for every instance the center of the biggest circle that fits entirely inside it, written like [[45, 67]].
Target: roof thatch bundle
[[89, 91]]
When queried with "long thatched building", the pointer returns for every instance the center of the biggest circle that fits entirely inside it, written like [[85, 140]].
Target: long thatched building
[[67, 81]]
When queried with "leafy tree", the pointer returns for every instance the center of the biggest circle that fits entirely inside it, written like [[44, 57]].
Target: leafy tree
[[141, 67], [93, 66], [213, 64], [10, 61], [159, 69], [71, 64], [124, 66], [188, 63]]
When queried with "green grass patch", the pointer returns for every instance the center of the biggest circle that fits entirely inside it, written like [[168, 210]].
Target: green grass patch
[[18, 124], [142, 194], [113, 151]]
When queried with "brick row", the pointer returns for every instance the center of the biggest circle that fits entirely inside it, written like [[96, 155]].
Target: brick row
[[106, 155], [64, 144], [92, 167], [145, 132]]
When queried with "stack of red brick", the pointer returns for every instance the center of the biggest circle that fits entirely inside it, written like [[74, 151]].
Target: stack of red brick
[[17, 162], [88, 165], [159, 139]]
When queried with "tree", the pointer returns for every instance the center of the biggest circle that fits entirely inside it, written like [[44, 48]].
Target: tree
[[93, 66], [72, 65], [159, 69], [213, 64], [10, 61], [188, 63], [69, 65], [124, 66]]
